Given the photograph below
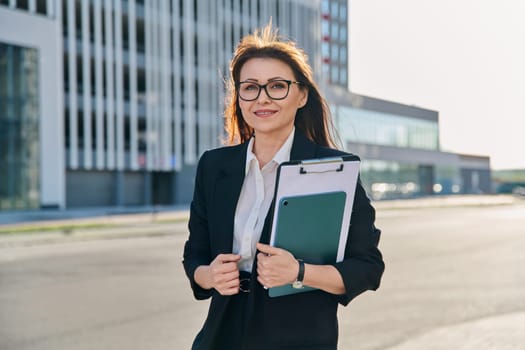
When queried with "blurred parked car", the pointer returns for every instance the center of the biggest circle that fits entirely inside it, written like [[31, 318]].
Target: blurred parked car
[[519, 190], [510, 187]]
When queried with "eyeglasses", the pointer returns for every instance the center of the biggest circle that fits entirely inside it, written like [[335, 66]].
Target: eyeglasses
[[275, 89]]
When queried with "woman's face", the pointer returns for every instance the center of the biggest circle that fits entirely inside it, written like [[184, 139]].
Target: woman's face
[[267, 116]]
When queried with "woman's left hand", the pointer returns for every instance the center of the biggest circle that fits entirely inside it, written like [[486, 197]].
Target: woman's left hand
[[275, 266]]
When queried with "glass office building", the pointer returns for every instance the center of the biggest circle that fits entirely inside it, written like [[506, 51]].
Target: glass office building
[[399, 145], [386, 129]]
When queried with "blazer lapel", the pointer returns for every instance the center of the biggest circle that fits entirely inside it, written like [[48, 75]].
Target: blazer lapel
[[227, 189], [227, 184], [302, 147]]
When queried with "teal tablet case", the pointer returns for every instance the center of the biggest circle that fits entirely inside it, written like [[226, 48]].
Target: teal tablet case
[[309, 227]]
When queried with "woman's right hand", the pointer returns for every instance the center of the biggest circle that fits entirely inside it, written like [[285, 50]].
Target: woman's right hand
[[222, 274]]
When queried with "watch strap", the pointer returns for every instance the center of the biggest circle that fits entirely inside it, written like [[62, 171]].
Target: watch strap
[[300, 274]]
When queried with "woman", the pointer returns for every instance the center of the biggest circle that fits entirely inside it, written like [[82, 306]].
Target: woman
[[275, 114]]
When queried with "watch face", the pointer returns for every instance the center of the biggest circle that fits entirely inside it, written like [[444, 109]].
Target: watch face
[[297, 284]]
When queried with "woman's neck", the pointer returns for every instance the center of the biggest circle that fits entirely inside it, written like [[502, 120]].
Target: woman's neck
[[265, 147]]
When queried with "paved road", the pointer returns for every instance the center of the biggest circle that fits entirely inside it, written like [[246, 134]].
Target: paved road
[[454, 280]]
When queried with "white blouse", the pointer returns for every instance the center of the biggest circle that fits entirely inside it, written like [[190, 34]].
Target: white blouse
[[254, 202]]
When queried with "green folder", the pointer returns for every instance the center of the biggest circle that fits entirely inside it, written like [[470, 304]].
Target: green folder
[[309, 226]]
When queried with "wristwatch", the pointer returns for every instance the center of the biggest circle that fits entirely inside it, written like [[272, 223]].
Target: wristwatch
[[298, 283]]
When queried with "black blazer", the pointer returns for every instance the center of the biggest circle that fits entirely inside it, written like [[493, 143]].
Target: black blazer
[[305, 320]]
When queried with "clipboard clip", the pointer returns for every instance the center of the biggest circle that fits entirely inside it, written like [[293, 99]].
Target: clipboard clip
[[337, 161]]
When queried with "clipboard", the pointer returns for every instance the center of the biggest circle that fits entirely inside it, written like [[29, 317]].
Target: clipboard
[[313, 206]]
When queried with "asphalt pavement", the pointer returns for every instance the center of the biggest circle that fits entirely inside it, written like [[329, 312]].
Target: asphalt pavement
[[498, 331]]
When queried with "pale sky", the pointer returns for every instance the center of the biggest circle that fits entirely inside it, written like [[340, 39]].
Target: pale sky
[[463, 58]]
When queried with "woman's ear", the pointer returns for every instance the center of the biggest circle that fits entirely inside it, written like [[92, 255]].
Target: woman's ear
[[304, 98]]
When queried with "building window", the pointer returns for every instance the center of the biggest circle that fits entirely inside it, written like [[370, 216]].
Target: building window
[[344, 34], [325, 28], [335, 53], [335, 9], [325, 49], [19, 131], [325, 6], [335, 31], [344, 76], [343, 58], [343, 12], [335, 74]]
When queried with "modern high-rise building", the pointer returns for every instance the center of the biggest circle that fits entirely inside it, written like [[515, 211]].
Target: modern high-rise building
[[110, 103], [334, 42]]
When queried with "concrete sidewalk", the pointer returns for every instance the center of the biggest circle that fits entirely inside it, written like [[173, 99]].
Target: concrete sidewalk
[[46, 216], [93, 228]]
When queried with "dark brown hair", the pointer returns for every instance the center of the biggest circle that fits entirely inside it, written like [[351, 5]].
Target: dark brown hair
[[313, 119]]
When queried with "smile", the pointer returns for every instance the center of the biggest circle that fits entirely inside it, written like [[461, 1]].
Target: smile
[[264, 113]]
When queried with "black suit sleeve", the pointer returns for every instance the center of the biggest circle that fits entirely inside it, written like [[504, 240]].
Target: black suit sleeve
[[197, 248], [363, 264]]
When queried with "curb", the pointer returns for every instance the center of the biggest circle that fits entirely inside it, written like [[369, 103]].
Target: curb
[[129, 230]]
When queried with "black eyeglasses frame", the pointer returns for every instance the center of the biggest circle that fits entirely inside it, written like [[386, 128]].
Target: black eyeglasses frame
[[263, 86]]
